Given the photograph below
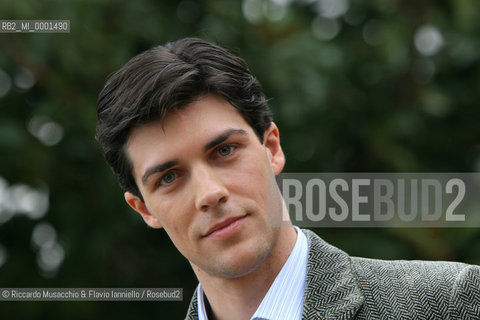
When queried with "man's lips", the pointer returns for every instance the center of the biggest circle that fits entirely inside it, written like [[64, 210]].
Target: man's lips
[[223, 226]]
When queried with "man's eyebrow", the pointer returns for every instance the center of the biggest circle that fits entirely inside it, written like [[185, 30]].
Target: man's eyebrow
[[222, 137], [158, 168]]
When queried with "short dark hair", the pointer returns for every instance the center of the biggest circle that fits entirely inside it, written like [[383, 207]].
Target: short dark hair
[[165, 78]]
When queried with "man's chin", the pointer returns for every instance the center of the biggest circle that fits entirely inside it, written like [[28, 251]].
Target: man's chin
[[235, 264]]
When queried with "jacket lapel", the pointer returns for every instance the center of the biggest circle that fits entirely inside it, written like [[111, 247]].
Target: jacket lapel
[[192, 313], [331, 290]]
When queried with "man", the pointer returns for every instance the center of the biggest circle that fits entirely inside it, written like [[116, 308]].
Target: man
[[190, 137]]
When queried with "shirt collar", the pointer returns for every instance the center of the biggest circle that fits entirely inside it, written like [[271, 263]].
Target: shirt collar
[[284, 299]]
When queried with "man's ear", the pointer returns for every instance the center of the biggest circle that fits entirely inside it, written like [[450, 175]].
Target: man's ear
[[138, 205], [271, 141]]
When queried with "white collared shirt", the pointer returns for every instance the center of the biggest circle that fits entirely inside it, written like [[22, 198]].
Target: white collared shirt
[[284, 299]]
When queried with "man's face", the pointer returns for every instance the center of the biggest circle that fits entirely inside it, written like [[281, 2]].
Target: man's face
[[206, 178]]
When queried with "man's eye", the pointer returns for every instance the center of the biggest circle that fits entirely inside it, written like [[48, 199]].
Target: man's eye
[[225, 150], [168, 178]]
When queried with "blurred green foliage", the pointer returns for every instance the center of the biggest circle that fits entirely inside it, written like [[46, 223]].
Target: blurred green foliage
[[379, 86]]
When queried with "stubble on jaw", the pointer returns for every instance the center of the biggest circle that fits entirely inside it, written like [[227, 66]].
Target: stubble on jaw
[[226, 264], [220, 268]]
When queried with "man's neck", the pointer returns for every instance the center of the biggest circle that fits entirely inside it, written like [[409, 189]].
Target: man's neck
[[239, 298]]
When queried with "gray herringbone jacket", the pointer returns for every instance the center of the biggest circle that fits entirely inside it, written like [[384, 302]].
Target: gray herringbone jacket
[[342, 287]]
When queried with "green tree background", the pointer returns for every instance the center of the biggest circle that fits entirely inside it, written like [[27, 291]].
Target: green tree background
[[356, 86]]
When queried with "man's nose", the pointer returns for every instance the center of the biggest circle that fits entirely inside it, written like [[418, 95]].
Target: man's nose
[[210, 189]]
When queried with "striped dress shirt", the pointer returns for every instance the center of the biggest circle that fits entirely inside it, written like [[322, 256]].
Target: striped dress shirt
[[284, 299]]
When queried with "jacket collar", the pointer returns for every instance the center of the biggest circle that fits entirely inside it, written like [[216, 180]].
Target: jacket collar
[[331, 289], [192, 313]]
